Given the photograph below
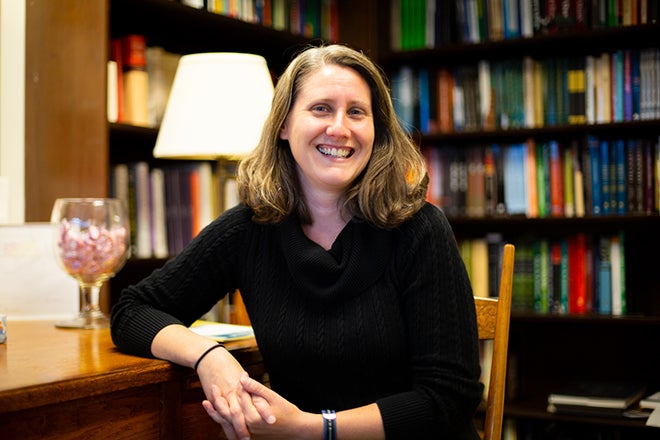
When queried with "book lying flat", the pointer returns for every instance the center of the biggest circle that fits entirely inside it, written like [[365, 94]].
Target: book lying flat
[[596, 394], [651, 401], [221, 331]]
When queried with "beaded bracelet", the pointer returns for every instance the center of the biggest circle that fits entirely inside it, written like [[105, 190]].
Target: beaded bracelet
[[329, 424], [205, 353]]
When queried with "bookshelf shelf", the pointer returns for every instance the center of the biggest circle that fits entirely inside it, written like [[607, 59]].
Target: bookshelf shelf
[[562, 43], [546, 348], [565, 131], [183, 29]]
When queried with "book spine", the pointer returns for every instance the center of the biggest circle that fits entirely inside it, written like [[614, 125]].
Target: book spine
[[615, 264], [576, 90], [135, 80], [605, 177], [593, 146], [569, 186], [556, 180], [605, 276], [619, 158]]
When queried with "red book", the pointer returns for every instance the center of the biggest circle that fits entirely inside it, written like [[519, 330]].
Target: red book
[[577, 273], [556, 180]]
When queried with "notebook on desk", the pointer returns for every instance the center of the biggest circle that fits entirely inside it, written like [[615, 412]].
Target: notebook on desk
[[221, 331]]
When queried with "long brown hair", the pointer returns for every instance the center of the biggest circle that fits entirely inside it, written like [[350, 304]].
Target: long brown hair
[[391, 188]]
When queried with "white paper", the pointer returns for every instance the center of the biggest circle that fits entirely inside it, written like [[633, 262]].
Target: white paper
[[654, 418], [33, 285]]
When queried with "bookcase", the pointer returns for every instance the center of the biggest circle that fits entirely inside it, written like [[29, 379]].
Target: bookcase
[[552, 345], [70, 145]]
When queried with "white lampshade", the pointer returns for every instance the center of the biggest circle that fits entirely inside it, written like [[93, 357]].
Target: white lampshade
[[217, 107]]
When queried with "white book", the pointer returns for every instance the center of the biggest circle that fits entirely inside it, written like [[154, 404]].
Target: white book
[[158, 213], [120, 184], [142, 211], [112, 98], [651, 401], [590, 89], [206, 214]]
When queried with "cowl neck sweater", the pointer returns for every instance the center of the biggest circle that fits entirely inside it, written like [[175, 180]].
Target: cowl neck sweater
[[357, 259]]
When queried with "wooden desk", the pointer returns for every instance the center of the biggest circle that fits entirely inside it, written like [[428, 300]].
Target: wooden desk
[[65, 383]]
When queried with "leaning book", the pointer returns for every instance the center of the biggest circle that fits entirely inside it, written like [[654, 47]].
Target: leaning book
[[222, 332], [595, 398]]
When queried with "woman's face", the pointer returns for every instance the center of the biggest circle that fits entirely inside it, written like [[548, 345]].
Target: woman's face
[[330, 128]]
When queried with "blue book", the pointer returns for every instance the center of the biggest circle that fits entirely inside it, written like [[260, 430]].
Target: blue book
[[563, 277], [636, 81], [606, 177], [550, 113], [424, 101], [593, 147], [620, 206], [515, 178], [618, 95]]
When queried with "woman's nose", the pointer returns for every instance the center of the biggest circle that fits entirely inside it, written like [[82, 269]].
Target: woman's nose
[[338, 127]]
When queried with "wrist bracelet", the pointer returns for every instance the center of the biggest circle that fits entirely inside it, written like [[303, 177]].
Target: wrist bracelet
[[329, 424], [205, 353]]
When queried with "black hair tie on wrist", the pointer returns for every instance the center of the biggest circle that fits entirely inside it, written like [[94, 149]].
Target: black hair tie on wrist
[[205, 353]]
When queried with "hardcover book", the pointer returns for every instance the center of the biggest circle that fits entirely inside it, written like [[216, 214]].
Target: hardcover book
[[595, 397]]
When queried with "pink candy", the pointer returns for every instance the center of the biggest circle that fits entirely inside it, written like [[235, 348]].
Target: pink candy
[[90, 253]]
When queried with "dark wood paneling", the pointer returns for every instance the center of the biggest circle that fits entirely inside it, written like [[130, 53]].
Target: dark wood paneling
[[66, 143]]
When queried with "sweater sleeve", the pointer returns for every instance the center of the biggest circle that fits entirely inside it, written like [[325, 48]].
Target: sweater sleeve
[[185, 288], [442, 335]]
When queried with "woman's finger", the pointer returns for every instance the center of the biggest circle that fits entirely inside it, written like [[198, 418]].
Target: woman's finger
[[227, 427]]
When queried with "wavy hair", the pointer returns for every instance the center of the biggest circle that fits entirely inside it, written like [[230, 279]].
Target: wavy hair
[[390, 190]]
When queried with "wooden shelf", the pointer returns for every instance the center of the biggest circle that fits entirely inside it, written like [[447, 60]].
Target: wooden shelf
[[557, 132], [182, 29], [569, 42]]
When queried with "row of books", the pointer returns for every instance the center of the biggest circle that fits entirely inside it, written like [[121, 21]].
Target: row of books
[[592, 177], [311, 18], [579, 273], [611, 87], [168, 205], [418, 24], [139, 81]]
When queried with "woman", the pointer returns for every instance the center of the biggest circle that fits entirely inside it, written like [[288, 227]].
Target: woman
[[354, 286]]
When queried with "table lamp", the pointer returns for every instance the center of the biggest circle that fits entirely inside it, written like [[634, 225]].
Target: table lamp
[[216, 109]]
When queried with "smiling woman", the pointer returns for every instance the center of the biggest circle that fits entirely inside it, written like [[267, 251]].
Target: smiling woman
[[357, 294]]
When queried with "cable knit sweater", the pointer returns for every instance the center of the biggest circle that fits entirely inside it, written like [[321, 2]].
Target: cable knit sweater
[[383, 316]]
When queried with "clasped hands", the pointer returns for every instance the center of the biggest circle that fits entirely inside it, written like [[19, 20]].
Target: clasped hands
[[244, 407]]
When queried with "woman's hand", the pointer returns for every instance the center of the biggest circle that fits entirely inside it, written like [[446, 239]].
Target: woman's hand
[[220, 374], [270, 416]]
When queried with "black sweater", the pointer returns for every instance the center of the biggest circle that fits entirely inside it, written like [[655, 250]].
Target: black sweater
[[384, 316]]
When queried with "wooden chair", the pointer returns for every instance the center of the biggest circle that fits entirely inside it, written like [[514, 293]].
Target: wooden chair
[[493, 315]]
